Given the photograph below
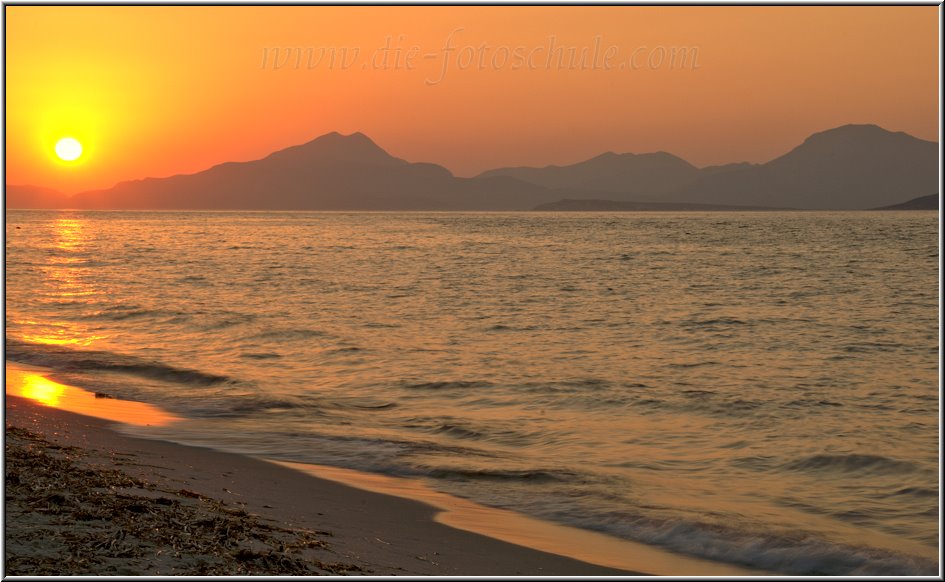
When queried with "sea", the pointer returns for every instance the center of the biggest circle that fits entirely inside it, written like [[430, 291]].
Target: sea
[[754, 388]]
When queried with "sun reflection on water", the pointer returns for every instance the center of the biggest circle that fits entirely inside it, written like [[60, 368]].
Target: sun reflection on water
[[70, 233], [61, 333], [31, 384], [65, 280], [41, 389]]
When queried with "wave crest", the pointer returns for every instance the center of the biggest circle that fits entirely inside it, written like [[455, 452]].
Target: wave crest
[[70, 360]]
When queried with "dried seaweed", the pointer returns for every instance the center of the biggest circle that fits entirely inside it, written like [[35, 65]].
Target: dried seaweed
[[68, 516]]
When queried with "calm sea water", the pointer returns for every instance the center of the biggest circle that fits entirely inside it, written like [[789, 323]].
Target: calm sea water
[[756, 388]]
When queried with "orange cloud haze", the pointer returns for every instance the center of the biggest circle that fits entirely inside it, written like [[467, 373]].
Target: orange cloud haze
[[155, 91]]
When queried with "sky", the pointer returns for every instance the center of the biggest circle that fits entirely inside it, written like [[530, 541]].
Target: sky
[[153, 91]]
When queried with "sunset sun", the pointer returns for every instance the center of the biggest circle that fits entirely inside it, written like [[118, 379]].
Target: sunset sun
[[68, 149]]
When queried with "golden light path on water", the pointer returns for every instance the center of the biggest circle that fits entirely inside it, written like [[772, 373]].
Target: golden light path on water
[[65, 282]]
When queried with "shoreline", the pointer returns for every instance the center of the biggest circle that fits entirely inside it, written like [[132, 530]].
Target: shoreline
[[380, 525], [365, 532], [362, 532]]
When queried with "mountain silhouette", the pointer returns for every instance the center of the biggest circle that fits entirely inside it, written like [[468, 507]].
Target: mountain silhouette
[[332, 172], [849, 167], [930, 202], [631, 175]]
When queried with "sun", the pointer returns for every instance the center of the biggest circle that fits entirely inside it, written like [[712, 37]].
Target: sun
[[68, 149]]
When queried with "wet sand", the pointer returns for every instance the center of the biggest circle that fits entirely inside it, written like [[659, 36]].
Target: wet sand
[[85, 499]]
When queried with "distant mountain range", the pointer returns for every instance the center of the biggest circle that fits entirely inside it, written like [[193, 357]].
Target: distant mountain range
[[332, 172], [849, 167], [930, 202], [591, 205]]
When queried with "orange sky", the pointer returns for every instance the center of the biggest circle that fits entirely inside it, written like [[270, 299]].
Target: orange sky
[[155, 91]]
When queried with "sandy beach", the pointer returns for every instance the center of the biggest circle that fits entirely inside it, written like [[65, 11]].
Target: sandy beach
[[85, 499]]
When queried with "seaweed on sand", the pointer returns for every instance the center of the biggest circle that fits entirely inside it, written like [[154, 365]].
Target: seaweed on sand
[[68, 516]]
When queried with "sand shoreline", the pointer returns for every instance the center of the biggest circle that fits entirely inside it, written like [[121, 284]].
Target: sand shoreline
[[78, 490], [293, 518]]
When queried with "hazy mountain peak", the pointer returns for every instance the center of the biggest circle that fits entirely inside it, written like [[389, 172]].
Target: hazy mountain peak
[[336, 137], [855, 132], [335, 147], [626, 156], [848, 167], [862, 141]]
